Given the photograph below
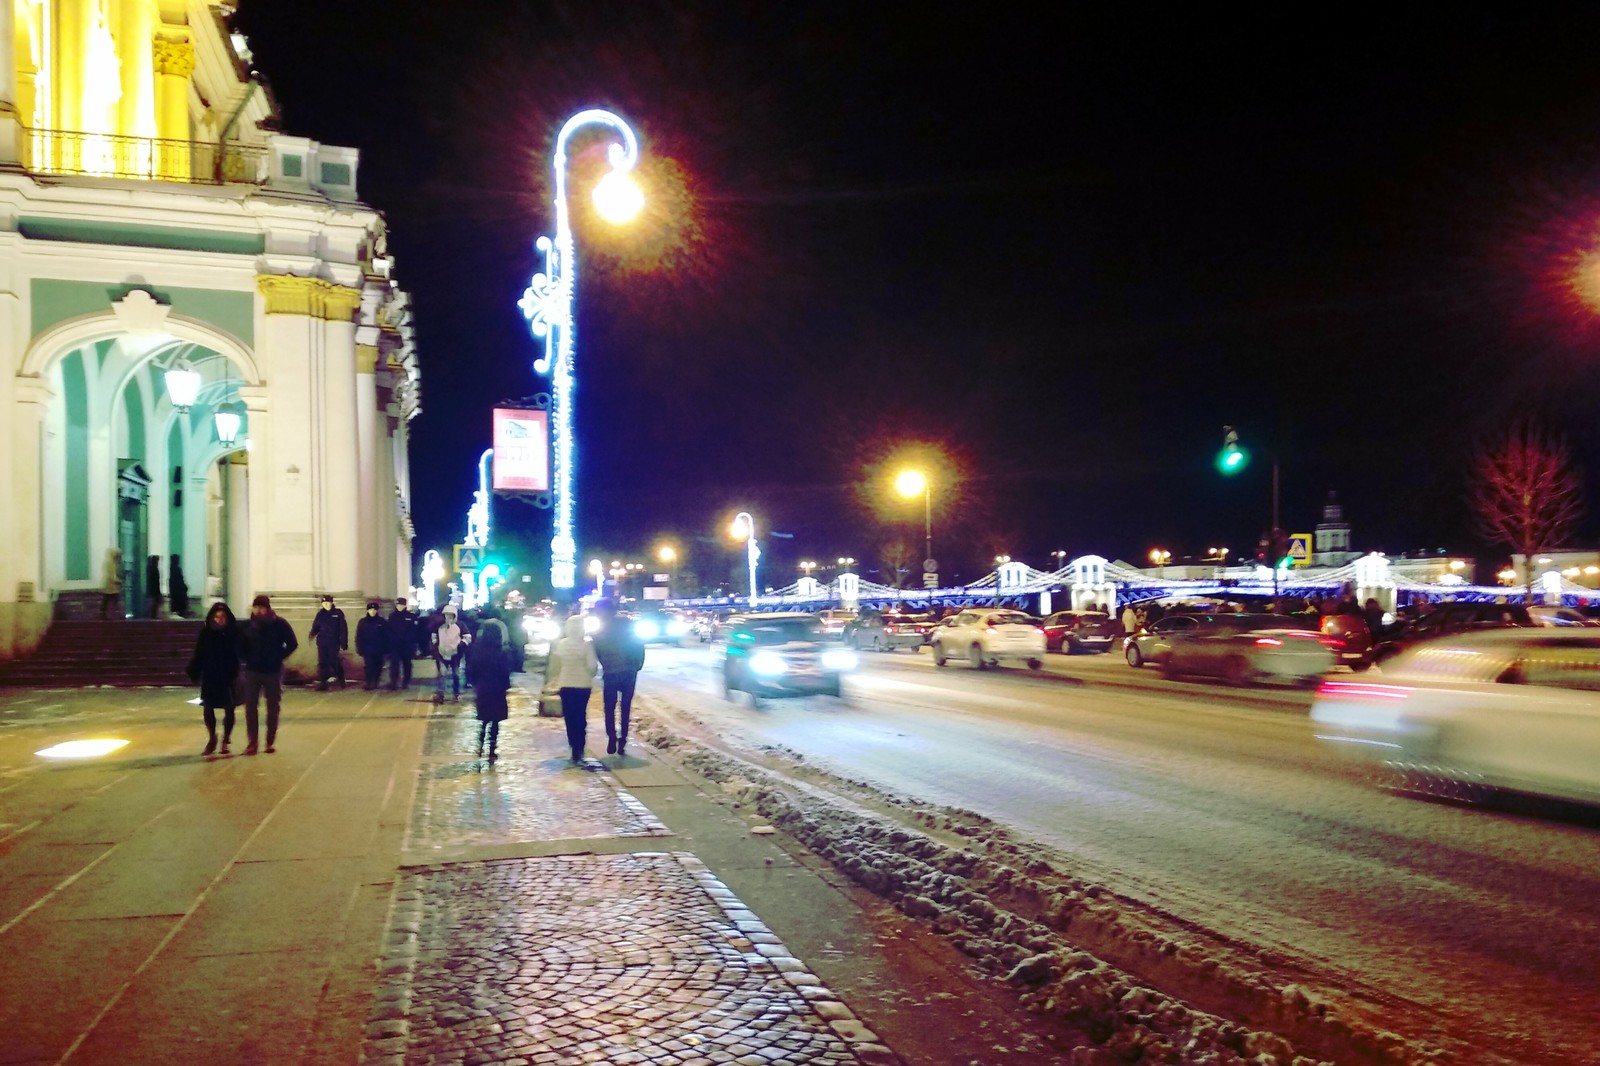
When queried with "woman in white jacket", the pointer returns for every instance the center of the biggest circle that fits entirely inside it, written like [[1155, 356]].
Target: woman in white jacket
[[571, 672]]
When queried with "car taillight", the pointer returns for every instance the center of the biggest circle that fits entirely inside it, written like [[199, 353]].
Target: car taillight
[[888, 629], [1269, 642], [1333, 642], [1362, 691]]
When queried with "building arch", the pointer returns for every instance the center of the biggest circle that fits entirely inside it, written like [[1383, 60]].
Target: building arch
[[74, 333]]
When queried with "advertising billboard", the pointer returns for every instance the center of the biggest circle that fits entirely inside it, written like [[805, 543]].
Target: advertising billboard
[[521, 450]]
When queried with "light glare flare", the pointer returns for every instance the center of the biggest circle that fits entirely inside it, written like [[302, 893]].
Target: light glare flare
[[81, 749]]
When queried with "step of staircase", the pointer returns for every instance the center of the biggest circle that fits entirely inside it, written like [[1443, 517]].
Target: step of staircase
[[117, 652]]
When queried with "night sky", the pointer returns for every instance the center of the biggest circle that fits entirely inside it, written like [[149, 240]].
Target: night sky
[[1061, 256]]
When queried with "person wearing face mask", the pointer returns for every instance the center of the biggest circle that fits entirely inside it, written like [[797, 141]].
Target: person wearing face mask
[[331, 635], [372, 644], [402, 625], [265, 641]]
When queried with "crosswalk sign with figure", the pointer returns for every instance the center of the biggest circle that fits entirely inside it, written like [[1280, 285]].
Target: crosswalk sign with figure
[[1299, 549]]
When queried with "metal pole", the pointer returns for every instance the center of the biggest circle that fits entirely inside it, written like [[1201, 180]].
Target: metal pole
[[927, 518], [1273, 536]]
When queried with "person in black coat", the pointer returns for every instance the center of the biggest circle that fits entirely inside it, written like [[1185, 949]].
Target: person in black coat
[[215, 667], [372, 644], [490, 666], [152, 585], [265, 641], [178, 589], [404, 631], [331, 634]]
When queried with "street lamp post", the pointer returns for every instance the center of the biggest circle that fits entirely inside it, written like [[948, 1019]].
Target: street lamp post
[[745, 526], [547, 305], [916, 483]]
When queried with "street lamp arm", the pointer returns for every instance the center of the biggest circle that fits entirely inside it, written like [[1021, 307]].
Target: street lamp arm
[[622, 157]]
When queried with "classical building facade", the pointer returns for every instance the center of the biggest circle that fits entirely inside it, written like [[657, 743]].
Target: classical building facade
[[155, 225]]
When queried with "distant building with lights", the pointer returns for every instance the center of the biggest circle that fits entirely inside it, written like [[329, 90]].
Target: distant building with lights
[[203, 352]]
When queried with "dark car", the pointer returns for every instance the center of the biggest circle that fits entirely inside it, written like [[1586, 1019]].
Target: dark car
[[1350, 639], [784, 654], [1246, 648], [1452, 618], [888, 630], [1075, 631]]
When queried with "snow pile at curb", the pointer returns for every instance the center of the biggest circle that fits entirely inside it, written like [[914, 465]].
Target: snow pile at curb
[[1050, 937]]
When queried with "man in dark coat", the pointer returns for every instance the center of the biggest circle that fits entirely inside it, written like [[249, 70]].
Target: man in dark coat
[[372, 644], [621, 655], [403, 633], [265, 641], [331, 635]]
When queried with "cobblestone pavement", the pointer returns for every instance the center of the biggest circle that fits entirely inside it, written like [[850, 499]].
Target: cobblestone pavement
[[530, 793], [642, 958]]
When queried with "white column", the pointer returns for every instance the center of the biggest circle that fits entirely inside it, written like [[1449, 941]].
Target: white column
[[238, 589], [368, 421], [338, 484], [9, 121]]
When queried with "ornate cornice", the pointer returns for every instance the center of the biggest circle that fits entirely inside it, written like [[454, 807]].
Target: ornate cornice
[[174, 57], [287, 294]]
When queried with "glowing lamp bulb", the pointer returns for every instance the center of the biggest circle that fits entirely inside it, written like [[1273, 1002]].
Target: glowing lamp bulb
[[910, 483], [618, 198]]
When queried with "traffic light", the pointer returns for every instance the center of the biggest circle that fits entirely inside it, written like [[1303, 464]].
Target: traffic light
[[1232, 458]]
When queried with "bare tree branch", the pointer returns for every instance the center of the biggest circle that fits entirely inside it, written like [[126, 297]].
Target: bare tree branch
[[1526, 492]]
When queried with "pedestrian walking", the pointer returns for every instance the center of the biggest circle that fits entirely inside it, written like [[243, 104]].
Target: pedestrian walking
[[491, 680], [331, 634], [265, 641], [402, 630], [372, 644], [111, 582], [449, 643], [215, 668], [178, 588], [152, 585], [621, 655], [1130, 620], [570, 672]]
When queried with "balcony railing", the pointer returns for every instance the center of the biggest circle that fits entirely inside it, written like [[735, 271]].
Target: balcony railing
[[108, 155]]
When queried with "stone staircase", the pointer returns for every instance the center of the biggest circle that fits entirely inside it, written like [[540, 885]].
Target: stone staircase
[[80, 649]]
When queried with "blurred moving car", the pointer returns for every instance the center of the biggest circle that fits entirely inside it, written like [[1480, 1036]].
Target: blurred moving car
[[542, 631], [888, 630], [1152, 643], [1560, 616], [1350, 639], [989, 638], [834, 621], [1075, 631], [663, 626], [1246, 648], [780, 654], [1450, 618], [1467, 714]]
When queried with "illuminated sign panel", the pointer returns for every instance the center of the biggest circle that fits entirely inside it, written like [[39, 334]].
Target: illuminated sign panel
[[521, 450]]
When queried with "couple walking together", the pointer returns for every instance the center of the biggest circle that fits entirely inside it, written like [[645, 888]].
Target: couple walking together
[[617, 653]]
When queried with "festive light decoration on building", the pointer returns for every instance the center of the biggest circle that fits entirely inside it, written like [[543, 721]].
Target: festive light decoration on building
[[547, 305], [744, 528]]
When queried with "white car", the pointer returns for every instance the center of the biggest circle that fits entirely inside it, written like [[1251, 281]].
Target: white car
[[990, 637], [1462, 716]]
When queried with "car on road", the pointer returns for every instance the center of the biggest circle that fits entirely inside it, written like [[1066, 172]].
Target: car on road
[[780, 654], [1561, 616], [665, 626], [888, 630], [1075, 631], [1465, 715], [1350, 639], [1152, 643], [1246, 648], [983, 638], [834, 621], [1447, 619]]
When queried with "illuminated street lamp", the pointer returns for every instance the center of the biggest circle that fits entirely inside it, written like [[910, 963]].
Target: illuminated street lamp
[[1160, 557], [913, 483], [1060, 557], [183, 383], [846, 560], [597, 570], [547, 305], [808, 567], [744, 528]]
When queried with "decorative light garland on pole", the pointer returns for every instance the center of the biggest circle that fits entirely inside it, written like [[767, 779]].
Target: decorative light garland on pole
[[547, 305]]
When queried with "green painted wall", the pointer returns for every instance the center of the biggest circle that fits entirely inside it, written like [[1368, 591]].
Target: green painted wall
[[175, 492], [133, 411], [54, 300], [75, 395], [82, 231]]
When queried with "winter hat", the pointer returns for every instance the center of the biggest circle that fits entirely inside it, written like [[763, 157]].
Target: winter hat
[[372, 605], [327, 597], [261, 601]]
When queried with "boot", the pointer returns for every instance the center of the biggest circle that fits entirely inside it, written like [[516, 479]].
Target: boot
[[211, 745]]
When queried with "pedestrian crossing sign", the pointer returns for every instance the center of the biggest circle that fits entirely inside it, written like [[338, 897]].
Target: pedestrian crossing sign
[[469, 557], [1300, 549]]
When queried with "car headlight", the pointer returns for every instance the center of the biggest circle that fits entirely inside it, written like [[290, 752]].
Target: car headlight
[[591, 624], [839, 659], [546, 629], [677, 628], [767, 664], [646, 630]]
